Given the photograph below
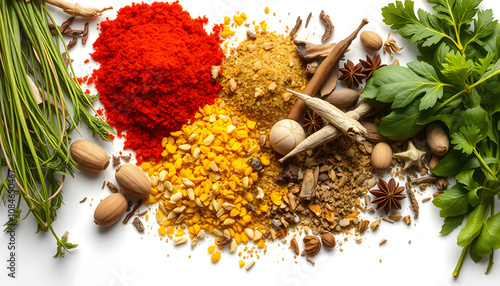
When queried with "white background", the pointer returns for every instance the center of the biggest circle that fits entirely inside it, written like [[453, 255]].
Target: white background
[[119, 255]]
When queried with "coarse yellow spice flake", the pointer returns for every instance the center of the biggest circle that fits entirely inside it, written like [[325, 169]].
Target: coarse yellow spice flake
[[215, 257], [205, 181]]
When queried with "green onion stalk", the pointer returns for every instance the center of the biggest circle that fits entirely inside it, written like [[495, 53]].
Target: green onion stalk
[[41, 103]]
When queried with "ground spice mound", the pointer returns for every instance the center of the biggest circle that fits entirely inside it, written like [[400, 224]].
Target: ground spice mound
[[155, 72], [263, 69]]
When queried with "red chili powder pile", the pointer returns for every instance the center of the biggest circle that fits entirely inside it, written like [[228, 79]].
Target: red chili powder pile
[[155, 72]]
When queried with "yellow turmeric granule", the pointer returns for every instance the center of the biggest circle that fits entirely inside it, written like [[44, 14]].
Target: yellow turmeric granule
[[206, 178]]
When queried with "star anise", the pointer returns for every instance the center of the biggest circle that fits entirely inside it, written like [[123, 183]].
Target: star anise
[[312, 122], [371, 65], [388, 196], [352, 74]]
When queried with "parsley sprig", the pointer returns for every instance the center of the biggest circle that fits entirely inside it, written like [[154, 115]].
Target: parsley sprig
[[456, 80]]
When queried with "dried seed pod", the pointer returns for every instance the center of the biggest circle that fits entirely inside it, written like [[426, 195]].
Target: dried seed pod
[[110, 210], [328, 240], [89, 155], [343, 97], [312, 244], [371, 41], [381, 158], [133, 180], [437, 139]]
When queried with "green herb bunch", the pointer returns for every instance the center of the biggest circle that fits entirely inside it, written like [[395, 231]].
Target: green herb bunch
[[34, 135], [455, 81]]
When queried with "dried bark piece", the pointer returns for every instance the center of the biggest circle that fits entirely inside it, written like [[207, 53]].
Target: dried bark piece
[[138, 224], [308, 18], [85, 33], [413, 200], [309, 183], [294, 30], [325, 19], [331, 81], [310, 52]]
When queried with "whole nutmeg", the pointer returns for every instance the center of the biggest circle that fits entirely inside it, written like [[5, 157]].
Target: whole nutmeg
[[285, 135], [89, 155], [343, 97], [437, 139], [312, 243], [133, 180], [110, 210], [328, 240], [381, 156], [371, 41]]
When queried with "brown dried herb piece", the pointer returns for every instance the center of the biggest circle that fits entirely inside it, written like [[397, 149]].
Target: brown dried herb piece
[[83, 200], [72, 43], [138, 224], [308, 19], [325, 19], [112, 187], [294, 246], [116, 161], [313, 122], [390, 46], [294, 30], [85, 33], [371, 65], [352, 74], [66, 24], [65, 59], [131, 213], [388, 195]]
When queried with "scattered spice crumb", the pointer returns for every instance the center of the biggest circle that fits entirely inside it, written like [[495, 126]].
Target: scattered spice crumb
[[382, 241], [388, 220], [310, 259], [426, 199], [72, 43], [249, 265], [143, 213], [138, 224], [83, 200], [103, 185], [131, 213], [116, 161]]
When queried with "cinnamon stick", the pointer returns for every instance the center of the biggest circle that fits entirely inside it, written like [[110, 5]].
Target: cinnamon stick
[[321, 75]]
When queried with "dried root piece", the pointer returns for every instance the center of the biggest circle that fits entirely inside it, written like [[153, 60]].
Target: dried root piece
[[413, 200], [76, 10], [328, 26], [296, 28], [390, 46]]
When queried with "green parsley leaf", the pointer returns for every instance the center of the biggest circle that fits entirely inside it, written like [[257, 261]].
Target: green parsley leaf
[[489, 237], [401, 123], [452, 202], [457, 68], [450, 223], [473, 226], [466, 139]]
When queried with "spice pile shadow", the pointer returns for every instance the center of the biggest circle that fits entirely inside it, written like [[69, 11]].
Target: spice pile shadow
[[154, 72]]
